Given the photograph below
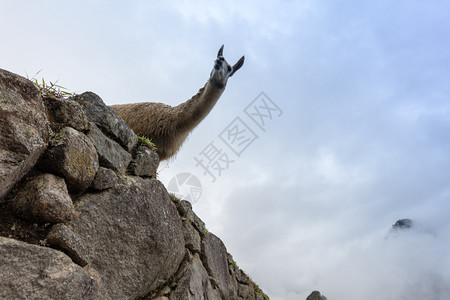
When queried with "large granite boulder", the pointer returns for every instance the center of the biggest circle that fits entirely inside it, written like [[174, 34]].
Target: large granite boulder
[[66, 112], [107, 120], [114, 232], [44, 199], [111, 154], [104, 179], [34, 272], [195, 283], [145, 162], [23, 128], [73, 156], [215, 260], [131, 235]]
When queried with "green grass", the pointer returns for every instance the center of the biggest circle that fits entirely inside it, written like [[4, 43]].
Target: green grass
[[146, 141], [256, 288], [173, 197], [51, 90]]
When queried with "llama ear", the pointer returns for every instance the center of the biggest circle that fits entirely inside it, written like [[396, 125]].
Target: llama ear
[[220, 53], [238, 65]]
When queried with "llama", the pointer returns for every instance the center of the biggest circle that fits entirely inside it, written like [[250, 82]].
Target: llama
[[168, 126]]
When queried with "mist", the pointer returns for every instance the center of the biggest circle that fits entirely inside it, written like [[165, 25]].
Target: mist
[[362, 141]]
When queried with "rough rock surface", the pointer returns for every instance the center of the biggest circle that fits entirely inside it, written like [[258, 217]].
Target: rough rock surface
[[45, 199], [136, 216], [316, 296], [145, 162], [110, 153], [192, 237], [33, 272], [217, 264], [62, 237], [73, 156], [104, 179], [185, 210], [23, 128], [195, 283], [66, 112], [107, 120], [114, 232]]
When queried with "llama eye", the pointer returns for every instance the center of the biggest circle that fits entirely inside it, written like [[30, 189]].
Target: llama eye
[[229, 69]]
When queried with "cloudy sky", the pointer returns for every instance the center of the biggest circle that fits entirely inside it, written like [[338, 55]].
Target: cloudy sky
[[343, 114]]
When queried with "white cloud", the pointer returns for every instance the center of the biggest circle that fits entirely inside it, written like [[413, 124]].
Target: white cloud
[[363, 140]]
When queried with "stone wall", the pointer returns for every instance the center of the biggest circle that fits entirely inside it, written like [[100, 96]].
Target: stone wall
[[82, 215]]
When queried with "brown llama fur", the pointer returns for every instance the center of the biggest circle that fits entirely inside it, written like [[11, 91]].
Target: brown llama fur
[[168, 126]]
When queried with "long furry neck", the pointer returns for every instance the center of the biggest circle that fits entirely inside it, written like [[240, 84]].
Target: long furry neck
[[193, 111]]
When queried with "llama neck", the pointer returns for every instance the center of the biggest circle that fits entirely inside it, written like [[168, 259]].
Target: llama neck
[[192, 112]]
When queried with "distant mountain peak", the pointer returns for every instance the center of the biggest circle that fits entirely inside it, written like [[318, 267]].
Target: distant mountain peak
[[403, 224]]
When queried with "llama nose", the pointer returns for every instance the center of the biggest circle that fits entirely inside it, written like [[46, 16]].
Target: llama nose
[[218, 64]]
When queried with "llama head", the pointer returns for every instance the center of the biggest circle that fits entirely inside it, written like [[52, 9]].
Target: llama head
[[222, 70]]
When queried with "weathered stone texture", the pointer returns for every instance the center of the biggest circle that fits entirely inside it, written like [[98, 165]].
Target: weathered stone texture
[[73, 179], [185, 210], [34, 272], [107, 120], [215, 260], [195, 283], [111, 154], [191, 236], [73, 156], [66, 112], [23, 128], [63, 238], [44, 199], [134, 236], [104, 179], [145, 162]]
